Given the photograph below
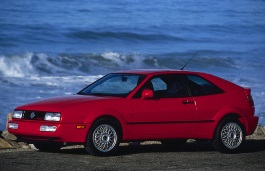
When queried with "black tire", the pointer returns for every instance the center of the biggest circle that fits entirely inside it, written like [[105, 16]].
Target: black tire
[[229, 136], [103, 138], [48, 147]]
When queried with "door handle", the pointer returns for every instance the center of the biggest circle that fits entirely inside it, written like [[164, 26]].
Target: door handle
[[187, 102]]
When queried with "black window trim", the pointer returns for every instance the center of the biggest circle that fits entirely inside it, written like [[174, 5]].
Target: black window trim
[[190, 91]]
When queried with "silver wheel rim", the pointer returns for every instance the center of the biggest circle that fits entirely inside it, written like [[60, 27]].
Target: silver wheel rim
[[104, 138], [231, 135]]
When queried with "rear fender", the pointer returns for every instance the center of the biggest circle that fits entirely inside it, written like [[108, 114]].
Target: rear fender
[[229, 112], [226, 112]]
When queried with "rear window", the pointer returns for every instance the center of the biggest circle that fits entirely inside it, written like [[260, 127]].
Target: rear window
[[201, 87]]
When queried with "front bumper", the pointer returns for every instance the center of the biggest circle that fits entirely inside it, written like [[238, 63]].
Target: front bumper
[[30, 131]]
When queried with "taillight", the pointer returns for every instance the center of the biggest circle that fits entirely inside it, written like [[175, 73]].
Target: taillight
[[249, 97], [250, 100]]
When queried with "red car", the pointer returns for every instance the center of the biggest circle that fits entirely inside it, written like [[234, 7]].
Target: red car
[[170, 106]]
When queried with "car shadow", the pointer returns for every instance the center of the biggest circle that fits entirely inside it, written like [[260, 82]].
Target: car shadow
[[249, 146], [253, 146]]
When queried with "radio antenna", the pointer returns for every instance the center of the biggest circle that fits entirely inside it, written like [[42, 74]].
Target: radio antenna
[[189, 61]]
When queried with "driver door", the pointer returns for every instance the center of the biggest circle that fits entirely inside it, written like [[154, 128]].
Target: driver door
[[166, 115]]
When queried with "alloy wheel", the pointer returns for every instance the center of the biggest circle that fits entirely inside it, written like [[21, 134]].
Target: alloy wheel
[[231, 135], [105, 138]]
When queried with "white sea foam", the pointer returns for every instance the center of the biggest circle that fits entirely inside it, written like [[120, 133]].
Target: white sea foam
[[16, 66]]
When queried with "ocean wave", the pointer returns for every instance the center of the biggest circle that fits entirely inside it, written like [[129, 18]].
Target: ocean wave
[[16, 65], [41, 64], [131, 36]]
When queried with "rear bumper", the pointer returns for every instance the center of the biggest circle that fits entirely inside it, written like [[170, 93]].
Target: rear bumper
[[252, 122], [65, 133]]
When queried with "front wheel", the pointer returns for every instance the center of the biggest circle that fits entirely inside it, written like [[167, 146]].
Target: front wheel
[[103, 138], [229, 136]]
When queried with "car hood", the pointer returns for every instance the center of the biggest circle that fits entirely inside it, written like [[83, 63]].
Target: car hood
[[57, 104]]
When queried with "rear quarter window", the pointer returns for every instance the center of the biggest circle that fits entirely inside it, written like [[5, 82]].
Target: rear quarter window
[[202, 87]]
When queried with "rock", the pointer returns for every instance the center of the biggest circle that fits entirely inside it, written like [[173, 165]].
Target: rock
[[8, 140], [8, 118], [263, 129], [5, 134], [14, 144], [259, 133], [4, 144], [24, 145], [32, 146]]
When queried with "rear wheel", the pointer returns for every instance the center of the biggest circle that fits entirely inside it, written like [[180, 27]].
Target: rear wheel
[[229, 136], [47, 147], [103, 138]]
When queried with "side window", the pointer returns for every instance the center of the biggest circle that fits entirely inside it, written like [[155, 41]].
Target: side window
[[176, 88], [159, 85], [201, 87], [165, 86]]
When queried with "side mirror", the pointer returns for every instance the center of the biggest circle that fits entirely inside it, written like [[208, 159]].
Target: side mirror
[[147, 94]]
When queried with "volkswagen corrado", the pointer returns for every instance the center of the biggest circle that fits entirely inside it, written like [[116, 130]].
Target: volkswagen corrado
[[170, 106]]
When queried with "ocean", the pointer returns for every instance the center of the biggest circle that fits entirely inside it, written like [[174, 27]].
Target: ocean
[[56, 47]]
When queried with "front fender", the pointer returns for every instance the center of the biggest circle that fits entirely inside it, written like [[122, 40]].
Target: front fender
[[108, 112], [92, 116]]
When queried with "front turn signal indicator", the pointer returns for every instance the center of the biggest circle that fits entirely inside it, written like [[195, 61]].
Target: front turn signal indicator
[[80, 126]]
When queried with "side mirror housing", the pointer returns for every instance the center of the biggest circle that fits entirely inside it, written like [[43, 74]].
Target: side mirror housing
[[147, 94]]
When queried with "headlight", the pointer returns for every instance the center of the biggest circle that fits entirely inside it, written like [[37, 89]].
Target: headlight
[[52, 117], [17, 114]]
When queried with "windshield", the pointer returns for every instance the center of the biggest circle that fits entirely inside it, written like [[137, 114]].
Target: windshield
[[119, 85]]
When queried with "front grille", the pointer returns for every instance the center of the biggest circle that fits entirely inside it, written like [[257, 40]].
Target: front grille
[[33, 115]]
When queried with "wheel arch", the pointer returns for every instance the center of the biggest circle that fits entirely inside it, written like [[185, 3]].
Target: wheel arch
[[118, 121], [112, 119], [231, 115], [231, 140], [113, 125]]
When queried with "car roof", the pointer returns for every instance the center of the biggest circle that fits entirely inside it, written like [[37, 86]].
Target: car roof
[[156, 71]]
